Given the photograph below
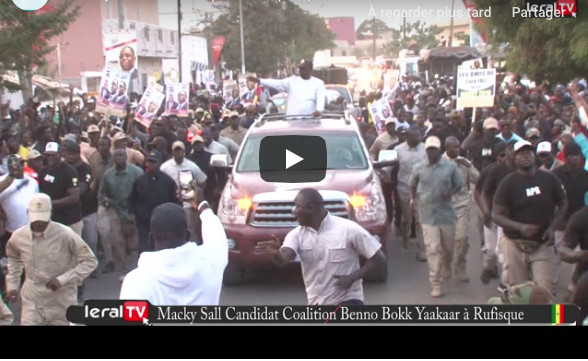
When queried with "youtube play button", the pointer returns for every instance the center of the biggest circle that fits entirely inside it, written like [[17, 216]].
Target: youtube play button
[[293, 159]]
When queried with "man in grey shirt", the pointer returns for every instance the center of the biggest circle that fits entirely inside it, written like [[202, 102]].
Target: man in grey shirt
[[410, 153], [435, 181]]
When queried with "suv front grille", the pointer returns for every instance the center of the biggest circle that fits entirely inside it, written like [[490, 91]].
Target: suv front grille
[[279, 214]]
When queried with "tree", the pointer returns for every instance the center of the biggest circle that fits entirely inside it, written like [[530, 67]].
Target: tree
[[24, 40], [465, 38], [369, 26], [555, 50], [416, 36], [274, 32]]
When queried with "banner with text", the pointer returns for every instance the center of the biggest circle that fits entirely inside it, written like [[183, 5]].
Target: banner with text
[[475, 87], [140, 312]]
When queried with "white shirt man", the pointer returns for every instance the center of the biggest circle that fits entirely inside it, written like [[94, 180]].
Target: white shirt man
[[15, 201], [306, 94], [180, 272]]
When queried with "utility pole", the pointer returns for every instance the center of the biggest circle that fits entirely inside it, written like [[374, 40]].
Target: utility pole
[[180, 39], [450, 44], [121, 15], [403, 26], [242, 37], [374, 34]]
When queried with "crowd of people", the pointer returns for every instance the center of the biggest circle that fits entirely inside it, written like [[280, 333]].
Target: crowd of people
[[103, 178], [524, 161]]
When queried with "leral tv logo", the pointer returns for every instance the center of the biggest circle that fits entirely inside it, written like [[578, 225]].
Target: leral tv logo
[[29, 5]]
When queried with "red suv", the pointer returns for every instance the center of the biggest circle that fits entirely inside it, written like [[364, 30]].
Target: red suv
[[253, 210]]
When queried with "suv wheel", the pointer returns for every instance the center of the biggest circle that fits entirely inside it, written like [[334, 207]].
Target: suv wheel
[[233, 275]]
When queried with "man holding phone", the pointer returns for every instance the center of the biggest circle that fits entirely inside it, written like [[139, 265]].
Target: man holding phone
[[179, 168], [180, 272], [149, 191]]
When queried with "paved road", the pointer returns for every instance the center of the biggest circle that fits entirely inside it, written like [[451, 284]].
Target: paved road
[[407, 283]]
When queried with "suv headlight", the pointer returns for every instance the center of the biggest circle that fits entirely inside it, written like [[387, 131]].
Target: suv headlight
[[371, 207], [234, 211]]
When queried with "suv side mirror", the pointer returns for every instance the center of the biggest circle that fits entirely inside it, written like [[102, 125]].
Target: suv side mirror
[[220, 161], [384, 163]]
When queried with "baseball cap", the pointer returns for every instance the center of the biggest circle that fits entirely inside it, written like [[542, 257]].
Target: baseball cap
[[199, 110], [227, 113], [70, 146], [499, 147], [168, 218], [52, 148], [402, 128], [304, 63], [154, 156], [391, 120], [93, 128], [490, 123], [197, 138], [14, 159], [40, 208], [34, 154], [432, 142], [521, 144], [454, 114], [544, 147], [527, 293], [119, 136], [532, 132], [178, 144], [234, 114], [70, 137]]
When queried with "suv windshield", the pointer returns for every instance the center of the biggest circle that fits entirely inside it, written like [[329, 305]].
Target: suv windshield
[[344, 151]]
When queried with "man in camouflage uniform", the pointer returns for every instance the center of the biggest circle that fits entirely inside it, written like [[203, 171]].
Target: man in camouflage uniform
[[56, 261]]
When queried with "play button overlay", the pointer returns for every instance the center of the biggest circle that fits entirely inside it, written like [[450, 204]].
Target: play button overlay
[[293, 159]]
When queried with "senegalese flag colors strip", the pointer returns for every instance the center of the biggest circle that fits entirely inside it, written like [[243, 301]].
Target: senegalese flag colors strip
[[557, 314]]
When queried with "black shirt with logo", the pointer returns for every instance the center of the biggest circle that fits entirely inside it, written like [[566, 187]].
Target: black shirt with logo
[[55, 182], [482, 153], [495, 176], [577, 234], [89, 199], [530, 200], [576, 186]]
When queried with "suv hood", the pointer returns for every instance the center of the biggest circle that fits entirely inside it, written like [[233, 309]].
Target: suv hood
[[348, 181]]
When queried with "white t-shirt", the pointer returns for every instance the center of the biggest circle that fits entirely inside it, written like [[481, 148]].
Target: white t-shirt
[[173, 169], [15, 201], [304, 96]]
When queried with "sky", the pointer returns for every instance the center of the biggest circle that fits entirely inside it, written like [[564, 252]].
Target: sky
[[389, 11]]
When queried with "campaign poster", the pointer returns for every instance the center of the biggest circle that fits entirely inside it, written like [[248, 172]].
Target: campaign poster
[[475, 87], [120, 50], [177, 96], [149, 105], [380, 111], [114, 91]]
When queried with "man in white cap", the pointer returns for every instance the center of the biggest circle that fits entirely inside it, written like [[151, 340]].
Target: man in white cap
[[60, 181], [87, 149], [525, 206], [481, 150], [56, 261], [548, 162], [433, 183], [306, 94], [234, 131]]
